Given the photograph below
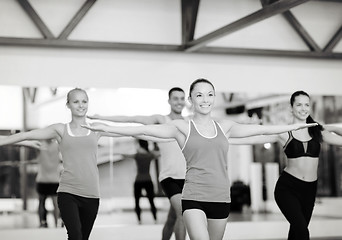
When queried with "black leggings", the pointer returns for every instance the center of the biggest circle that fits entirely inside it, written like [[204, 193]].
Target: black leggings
[[44, 191], [296, 200], [148, 186], [78, 214]]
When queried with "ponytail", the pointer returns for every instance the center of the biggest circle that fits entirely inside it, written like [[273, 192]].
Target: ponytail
[[316, 131]]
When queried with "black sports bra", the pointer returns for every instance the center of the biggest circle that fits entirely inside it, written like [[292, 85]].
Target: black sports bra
[[295, 148]]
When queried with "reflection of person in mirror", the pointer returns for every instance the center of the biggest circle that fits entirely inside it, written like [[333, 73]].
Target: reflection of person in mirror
[[295, 190], [171, 162], [78, 192], [143, 180], [204, 143], [49, 170]]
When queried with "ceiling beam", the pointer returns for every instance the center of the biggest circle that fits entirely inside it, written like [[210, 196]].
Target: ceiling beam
[[76, 19], [311, 44], [189, 18], [270, 53], [264, 13], [333, 41], [309, 41], [65, 43], [45, 31], [337, 1], [76, 44]]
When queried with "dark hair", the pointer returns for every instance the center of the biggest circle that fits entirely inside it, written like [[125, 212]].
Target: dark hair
[[314, 132], [200, 80], [75, 90], [143, 144], [175, 89]]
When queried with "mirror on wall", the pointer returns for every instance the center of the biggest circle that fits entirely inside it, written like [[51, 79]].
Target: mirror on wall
[[30, 108]]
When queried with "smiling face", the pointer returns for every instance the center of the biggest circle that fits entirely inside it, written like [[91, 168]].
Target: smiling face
[[177, 101], [78, 102], [301, 107], [202, 97]]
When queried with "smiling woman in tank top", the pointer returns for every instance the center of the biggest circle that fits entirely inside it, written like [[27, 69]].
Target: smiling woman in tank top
[[78, 191], [296, 187], [206, 192]]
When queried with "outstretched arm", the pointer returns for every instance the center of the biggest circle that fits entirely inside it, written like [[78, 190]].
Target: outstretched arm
[[245, 130], [163, 131], [334, 129], [29, 143], [153, 119], [37, 134], [143, 137], [333, 138], [260, 139]]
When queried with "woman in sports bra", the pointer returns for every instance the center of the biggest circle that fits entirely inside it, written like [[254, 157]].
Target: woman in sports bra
[[78, 192], [204, 143], [295, 191]]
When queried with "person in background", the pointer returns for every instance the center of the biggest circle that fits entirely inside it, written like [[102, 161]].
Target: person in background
[[295, 190], [47, 179], [143, 180], [171, 162], [204, 143]]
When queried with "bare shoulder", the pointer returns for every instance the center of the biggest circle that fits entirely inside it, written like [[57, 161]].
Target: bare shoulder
[[283, 137], [58, 128], [159, 119], [226, 124], [181, 124]]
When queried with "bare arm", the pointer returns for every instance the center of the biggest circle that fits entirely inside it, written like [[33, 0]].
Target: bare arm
[[334, 129], [146, 120], [260, 139], [143, 137], [246, 130], [163, 131], [29, 143], [332, 138], [37, 134]]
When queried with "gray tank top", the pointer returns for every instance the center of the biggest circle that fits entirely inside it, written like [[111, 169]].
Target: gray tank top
[[206, 172], [80, 175]]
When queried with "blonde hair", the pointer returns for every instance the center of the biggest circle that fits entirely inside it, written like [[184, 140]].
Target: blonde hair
[[75, 90]]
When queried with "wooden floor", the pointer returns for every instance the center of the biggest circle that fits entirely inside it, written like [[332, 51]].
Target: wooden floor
[[123, 225]]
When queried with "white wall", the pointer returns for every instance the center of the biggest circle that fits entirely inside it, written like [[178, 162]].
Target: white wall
[[155, 21]]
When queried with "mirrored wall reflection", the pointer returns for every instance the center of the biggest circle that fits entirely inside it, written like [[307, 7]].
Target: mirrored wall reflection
[[32, 108]]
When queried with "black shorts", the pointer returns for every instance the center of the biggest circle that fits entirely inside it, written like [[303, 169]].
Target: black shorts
[[47, 188], [172, 186], [213, 210]]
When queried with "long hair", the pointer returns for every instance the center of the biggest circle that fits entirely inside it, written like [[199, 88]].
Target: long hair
[[316, 131]]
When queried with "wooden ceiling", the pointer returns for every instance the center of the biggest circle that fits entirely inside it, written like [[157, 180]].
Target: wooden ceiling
[[189, 12]]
